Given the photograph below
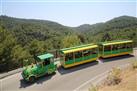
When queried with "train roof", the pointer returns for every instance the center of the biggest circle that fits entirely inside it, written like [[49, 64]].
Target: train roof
[[78, 48], [115, 42], [45, 56]]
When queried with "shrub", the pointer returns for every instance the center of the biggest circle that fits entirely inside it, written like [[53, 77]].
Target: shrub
[[134, 64], [114, 77], [93, 88]]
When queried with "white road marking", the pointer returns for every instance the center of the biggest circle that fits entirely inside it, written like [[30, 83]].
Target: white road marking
[[101, 77], [90, 80]]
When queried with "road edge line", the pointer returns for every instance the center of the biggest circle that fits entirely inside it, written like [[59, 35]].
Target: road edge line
[[104, 73]]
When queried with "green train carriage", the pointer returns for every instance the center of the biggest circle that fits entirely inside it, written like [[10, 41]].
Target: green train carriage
[[115, 48], [78, 55]]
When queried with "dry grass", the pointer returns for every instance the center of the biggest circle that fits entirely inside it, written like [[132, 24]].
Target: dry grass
[[114, 77], [93, 88], [119, 80], [128, 82], [134, 64]]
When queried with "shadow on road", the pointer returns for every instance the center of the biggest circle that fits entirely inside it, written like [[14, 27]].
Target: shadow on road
[[117, 58], [40, 80], [62, 70]]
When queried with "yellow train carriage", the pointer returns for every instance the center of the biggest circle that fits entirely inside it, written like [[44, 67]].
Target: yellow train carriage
[[115, 48], [78, 55]]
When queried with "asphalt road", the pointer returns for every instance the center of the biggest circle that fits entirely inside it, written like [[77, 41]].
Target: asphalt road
[[64, 79]]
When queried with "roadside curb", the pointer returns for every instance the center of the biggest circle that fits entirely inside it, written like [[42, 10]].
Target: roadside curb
[[3, 75]]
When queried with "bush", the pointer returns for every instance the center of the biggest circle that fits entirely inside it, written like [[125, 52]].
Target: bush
[[134, 64], [114, 77], [93, 88]]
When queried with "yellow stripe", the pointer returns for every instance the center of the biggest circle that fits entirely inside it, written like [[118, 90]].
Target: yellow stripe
[[78, 63], [79, 49], [113, 55], [129, 41]]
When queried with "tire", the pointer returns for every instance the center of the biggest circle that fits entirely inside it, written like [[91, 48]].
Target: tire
[[32, 79]]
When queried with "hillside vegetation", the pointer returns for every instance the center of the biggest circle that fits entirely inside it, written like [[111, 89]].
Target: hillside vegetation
[[25, 38], [124, 27]]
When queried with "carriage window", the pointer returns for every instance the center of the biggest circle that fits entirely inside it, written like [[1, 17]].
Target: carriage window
[[87, 52], [46, 61], [123, 46], [40, 64], [94, 51], [129, 45], [107, 48], [114, 47], [78, 54], [119, 46], [69, 57], [101, 48]]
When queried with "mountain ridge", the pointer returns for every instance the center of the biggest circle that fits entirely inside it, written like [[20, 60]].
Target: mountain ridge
[[43, 29]]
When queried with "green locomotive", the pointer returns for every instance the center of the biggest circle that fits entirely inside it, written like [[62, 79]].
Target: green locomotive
[[44, 65]]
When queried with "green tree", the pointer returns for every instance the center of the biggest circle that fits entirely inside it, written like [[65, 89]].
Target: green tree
[[7, 42], [37, 47], [70, 41], [106, 37], [19, 54]]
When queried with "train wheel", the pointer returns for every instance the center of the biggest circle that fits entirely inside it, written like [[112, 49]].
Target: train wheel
[[32, 79]]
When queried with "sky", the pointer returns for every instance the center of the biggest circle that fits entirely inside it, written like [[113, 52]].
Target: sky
[[69, 12]]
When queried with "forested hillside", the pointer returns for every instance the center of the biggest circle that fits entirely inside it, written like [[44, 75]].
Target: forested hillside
[[25, 38], [124, 27]]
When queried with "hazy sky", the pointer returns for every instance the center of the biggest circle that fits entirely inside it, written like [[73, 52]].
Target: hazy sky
[[69, 12]]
